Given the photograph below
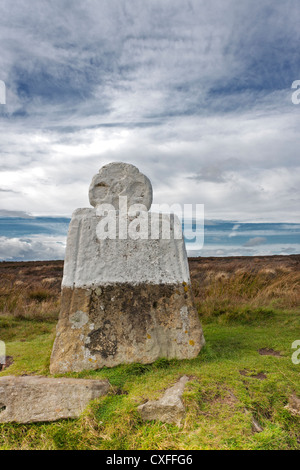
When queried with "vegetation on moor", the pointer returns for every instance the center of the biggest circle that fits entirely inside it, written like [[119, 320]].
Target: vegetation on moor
[[239, 384]]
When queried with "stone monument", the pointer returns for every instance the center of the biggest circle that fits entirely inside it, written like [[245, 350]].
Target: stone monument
[[126, 291]]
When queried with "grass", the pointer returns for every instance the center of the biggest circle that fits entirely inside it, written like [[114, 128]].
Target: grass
[[231, 385]]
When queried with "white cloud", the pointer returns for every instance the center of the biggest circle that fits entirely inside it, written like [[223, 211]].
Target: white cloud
[[176, 88], [233, 250], [34, 248], [255, 241]]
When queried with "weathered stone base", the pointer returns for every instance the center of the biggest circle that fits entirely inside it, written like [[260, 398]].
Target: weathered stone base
[[123, 323]]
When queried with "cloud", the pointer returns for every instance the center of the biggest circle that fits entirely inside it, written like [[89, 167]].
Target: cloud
[[225, 250], [31, 249], [218, 172], [255, 241], [7, 213], [176, 88], [45, 238], [234, 231]]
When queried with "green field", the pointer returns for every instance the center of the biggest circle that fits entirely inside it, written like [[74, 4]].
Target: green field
[[236, 395]]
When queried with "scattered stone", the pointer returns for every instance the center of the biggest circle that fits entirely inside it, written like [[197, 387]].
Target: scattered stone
[[124, 300], [168, 409], [269, 352], [256, 427], [294, 405], [29, 399]]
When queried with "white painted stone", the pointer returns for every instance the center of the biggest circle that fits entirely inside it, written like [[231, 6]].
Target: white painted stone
[[120, 179], [127, 297], [91, 262]]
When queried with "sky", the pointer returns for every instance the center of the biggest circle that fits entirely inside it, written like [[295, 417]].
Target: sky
[[196, 93], [44, 238]]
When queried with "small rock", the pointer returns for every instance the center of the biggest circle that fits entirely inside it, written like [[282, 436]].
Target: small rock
[[294, 405], [32, 399], [169, 408], [256, 427]]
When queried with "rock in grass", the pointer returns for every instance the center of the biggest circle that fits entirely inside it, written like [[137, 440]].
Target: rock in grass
[[168, 409], [31, 399], [294, 405]]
